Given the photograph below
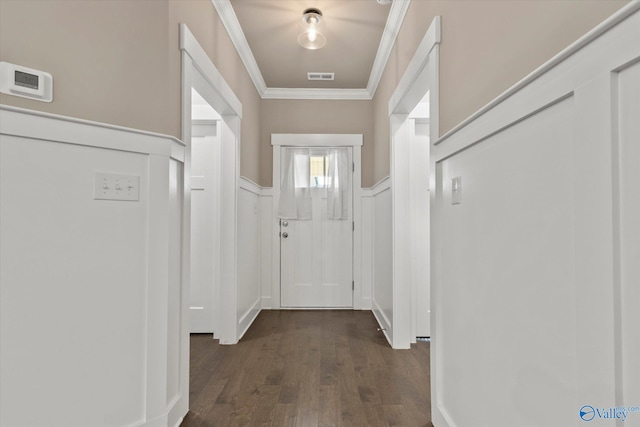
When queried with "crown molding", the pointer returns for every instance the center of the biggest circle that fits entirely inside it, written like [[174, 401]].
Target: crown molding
[[316, 93], [392, 28], [231, 24]]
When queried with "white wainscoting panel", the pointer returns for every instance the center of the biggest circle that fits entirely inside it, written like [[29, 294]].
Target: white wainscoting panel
[[382, 293], [249, 260], [266, 244], [535, 267], [627, 229], [502, 230], [92, 330], [366, 248], [175, 313]]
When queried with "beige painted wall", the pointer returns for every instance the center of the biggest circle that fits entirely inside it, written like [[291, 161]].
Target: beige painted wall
[[296, 116], [108, 59], [118, 62], [487, 46]]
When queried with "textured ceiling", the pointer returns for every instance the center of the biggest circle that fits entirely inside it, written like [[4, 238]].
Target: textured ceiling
[[353, 29]]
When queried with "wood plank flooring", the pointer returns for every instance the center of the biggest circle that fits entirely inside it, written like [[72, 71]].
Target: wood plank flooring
[[309, 368]]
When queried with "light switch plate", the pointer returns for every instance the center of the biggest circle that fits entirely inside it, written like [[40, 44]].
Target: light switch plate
[[456, 190], [111, 186]]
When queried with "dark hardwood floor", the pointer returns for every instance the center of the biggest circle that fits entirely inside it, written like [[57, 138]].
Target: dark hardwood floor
[[309, 368]]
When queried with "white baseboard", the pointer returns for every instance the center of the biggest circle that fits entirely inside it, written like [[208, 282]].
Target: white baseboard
[[384, 323], [247, 319]]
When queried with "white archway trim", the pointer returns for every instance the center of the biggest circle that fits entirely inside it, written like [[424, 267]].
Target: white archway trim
[[227, 103], [199, 72], [411, 87]]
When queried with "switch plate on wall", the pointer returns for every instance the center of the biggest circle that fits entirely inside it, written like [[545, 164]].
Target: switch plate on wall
[[456, 190], [111, 186]]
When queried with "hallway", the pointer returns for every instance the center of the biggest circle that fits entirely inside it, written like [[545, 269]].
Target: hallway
[[308, 368]]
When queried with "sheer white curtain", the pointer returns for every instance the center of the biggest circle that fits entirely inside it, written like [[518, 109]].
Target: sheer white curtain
[[295, 194], [295, 185], [338, 184]]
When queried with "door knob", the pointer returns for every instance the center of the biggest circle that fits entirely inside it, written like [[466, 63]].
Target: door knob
[[285, 223], [285, 234]]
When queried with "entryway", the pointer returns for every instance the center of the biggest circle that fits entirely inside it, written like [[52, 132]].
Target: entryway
[[219, 282], [316, 178], [316, 227]]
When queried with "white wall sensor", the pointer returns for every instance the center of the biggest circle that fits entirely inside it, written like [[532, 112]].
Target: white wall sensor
[[25, 82]]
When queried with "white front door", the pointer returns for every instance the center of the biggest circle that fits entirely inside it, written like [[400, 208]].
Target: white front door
[[316, 255]]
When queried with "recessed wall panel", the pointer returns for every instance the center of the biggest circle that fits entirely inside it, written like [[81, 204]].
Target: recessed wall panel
[[382, 259], [629, 230], [508, 265], [72, 299]]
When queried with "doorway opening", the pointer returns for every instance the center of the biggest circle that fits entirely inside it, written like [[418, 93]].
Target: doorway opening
[[201, 77], [316, 178], [205, 216], [419, 217], [316, 234], [413, 117]]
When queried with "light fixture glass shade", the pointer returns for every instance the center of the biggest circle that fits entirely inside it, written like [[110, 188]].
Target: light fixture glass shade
[[311, 30]]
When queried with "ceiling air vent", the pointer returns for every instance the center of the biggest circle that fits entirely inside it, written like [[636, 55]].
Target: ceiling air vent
[[320, 76]]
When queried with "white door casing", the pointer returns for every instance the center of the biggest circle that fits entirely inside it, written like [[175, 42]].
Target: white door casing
[[199, 73], [420, 77], [316, 255], [352, 225]]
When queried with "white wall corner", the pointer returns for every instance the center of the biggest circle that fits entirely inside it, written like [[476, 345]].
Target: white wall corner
[[383, 322], [365, 303], [246, 320], [266, 303]]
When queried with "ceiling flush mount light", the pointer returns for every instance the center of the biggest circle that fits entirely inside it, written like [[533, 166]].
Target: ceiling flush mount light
[[311, 30]]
